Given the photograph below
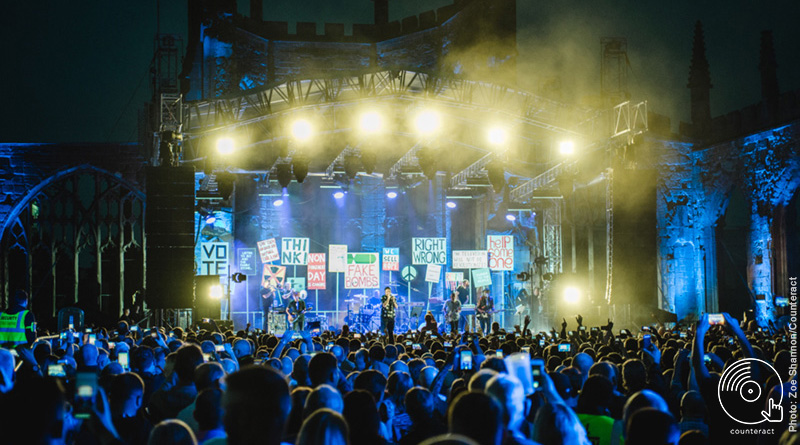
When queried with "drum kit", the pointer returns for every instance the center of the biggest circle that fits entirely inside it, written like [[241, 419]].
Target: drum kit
[[364, 313]]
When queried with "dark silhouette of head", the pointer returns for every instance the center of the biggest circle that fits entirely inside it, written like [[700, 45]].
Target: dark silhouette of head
[[477, 416], [256, 405]]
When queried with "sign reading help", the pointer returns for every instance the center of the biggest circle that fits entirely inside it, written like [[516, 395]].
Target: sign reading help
[[247, 261], [501, 252], [213, 259], [481, 277], [273, 275], [429, 250], [268, 249], [391, 258], [337, 253], [470, 259], [294, 251], [433, 273], [316, 271], [363, 271]]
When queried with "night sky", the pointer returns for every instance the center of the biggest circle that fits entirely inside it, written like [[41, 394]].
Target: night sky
[[77, 71]]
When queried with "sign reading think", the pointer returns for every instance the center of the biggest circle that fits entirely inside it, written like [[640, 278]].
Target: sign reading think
[[501, 252], [470, 259], [213, 259], [391, 258], [273, 275], [433, 273], [363, 271], [337, 253], [247, 261], [294, 251], [268, 249], [481, 277], [316, 271], [429, 250]]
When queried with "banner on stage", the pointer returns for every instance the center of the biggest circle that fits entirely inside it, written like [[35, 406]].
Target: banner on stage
[[481, 277], [391, 258], [501, 252], [433, 273], [294, 251], [247, 261], [268, 249], [470, 259], [429, 250], [273, 275], [316, 271], [297, 283], [453, 279], [337, 256], [363, 271], [213, 259]]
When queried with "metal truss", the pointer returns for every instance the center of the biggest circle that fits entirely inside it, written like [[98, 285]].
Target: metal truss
[[630, 120], [552, 236], [170, 116]]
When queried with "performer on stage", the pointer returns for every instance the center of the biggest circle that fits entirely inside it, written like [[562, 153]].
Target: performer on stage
[[463, 297], [296, 311], [388, 310], [267, 299], [485, 308], [452, 309]]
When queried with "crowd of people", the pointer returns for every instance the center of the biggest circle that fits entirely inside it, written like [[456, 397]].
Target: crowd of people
[[590, 385]]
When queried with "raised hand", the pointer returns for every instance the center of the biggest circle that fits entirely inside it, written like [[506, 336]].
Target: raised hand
[[579, 319], [564, 324]]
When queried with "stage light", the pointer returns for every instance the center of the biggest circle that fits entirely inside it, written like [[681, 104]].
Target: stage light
[[225, 145], [215, 291], [351, 166], [301, 130], [391, 195], [497, 175], [511, 217], [284, 173], [572, 294], [211, 219], [300, 167], [239, 277], [368, 160], [371, 122], [566, 148], [450, 205], [338, 195], [428, 122], [277, 202], [497, 135]]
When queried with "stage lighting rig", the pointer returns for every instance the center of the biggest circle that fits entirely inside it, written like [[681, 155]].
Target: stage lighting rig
[[566, 148], [497, 175], [225, 145], [428, 122], [300, 167], [351, 166], [497, 136], [368, 160], [302, 131], [371, 122], [284, 174], [427, 162]]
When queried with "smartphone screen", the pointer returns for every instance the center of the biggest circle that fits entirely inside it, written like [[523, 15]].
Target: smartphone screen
[[206, 357], [448, 344], [92, 338], [85, 390], [683, 335], [706, 358], [63, 335], [537, 368], [134, 328], [466, 360], [122, 358], [219, 348], [582, 328], [716, 319], [434, 336], [564, 347], [541, 343], [56, 370], [416, 346], [356, 335], [526, 349], [645, 328], [499, 353]]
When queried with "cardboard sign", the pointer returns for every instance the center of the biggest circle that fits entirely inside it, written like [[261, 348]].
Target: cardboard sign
[[481, 277], [433, 273], [453, 279], [429, 250], [294, 251], [297, 283], [337, 253], [316, 271], [213, 259], [363, 271], [273, 275], [247, 261], [268, 249], [501, 252], [470, 259], [391, 258]]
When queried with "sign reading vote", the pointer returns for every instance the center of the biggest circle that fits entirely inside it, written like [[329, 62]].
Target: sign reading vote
[[337, 253], [213, 259], [294, 251], [268, 249], [363, 271], [247, 261], [429, 250], [316, 271], [391, 258], [481, 277], [433, 273], [501, 252], [470, 259]]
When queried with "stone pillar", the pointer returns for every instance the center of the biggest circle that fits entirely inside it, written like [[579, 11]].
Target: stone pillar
[[759, 260]]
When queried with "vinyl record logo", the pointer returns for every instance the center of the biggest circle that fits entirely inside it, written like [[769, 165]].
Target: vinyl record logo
[[742, 397]]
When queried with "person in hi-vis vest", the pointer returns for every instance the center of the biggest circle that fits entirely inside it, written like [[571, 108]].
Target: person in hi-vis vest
[[17, 323]]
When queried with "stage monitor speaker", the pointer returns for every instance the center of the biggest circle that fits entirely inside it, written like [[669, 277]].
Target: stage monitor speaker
[[634, 272], [207, 297], [169, 234]]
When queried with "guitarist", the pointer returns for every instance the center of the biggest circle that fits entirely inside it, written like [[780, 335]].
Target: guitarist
[[296, 312], [267, 299], [485, 309]]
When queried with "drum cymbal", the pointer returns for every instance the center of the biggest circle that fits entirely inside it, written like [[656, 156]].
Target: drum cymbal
[[436, 300], [361, 296], [350, 301]]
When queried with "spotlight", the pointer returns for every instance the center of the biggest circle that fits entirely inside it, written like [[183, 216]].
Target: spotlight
[[284, 173], [338, 195], [225, 145], [351, 166], [572, 294], [497, 176], [391, 195], [511, 217], [497, 136], [428, 122], [368, 160], [238, 277], [211, 219], [450, 205], [427, 162], [215, 291], [371, 122], [566, 147], [278, 202], [301, 130], [300, 167]]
